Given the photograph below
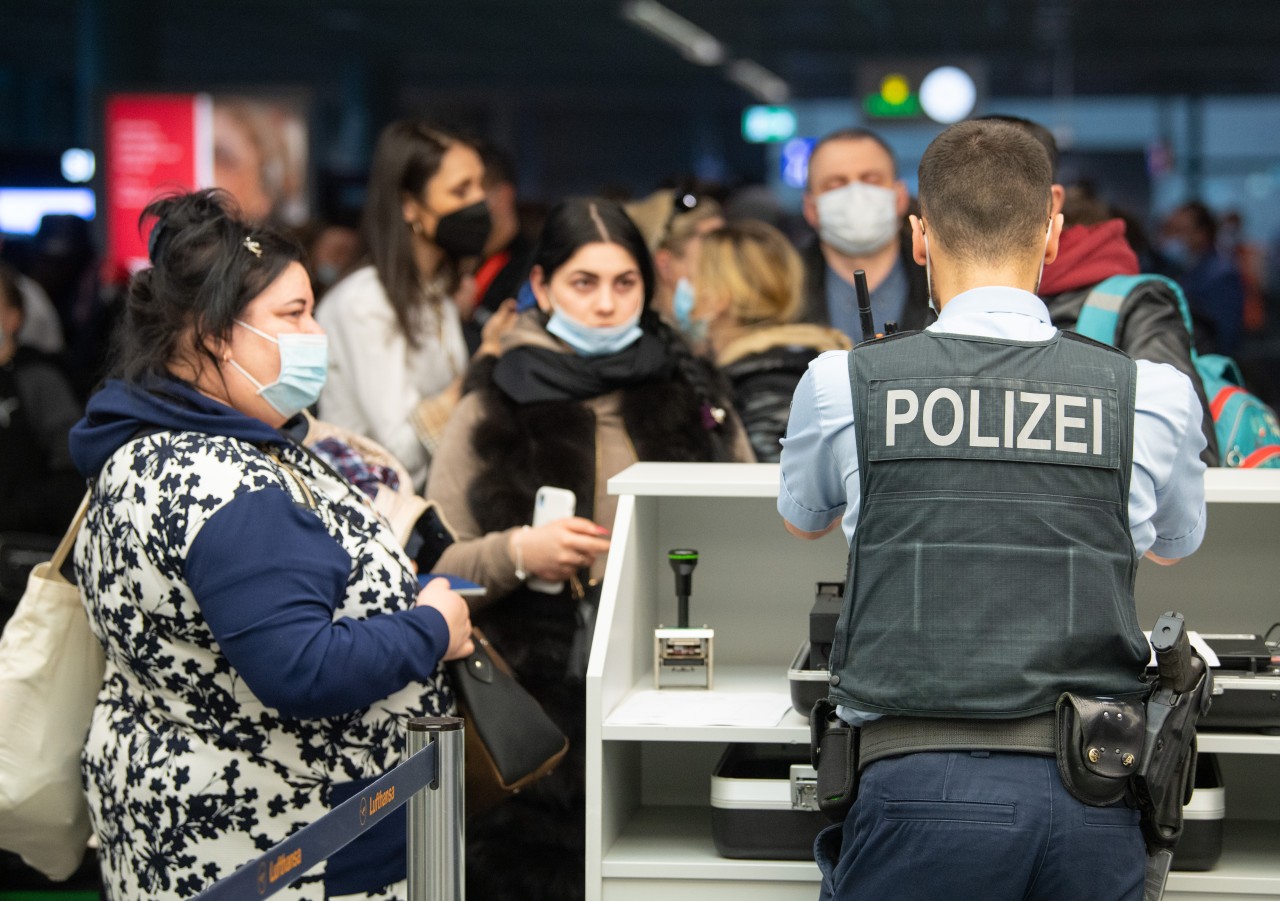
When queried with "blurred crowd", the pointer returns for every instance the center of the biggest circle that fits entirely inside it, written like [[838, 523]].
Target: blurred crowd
[[477, 346]]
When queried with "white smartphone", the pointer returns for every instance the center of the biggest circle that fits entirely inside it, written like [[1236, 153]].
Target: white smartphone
[[550, 504]]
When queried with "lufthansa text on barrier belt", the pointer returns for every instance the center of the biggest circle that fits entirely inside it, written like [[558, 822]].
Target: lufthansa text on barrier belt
[[320, 840]]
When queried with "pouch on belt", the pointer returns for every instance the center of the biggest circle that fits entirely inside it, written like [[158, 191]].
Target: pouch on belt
[[833, 751], [1099, 746]]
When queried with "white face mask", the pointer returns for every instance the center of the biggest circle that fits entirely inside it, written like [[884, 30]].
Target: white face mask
[[858, 218]]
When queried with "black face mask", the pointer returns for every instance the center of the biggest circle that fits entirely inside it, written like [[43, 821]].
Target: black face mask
[[464, 232]]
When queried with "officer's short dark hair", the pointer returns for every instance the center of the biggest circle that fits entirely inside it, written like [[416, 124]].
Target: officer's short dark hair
[[984, 191], [1037, 131]]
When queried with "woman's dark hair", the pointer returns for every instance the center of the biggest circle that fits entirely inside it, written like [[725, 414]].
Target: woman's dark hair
[[571, 224], [408, 155], [579, 221], [206, 265]]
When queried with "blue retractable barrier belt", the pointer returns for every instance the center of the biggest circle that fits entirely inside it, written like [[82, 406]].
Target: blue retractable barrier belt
[[320, 840]]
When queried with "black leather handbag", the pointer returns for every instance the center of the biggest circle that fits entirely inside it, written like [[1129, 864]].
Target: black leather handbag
[[511, 743]]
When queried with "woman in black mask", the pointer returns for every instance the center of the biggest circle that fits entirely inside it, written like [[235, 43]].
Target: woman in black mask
[[396, 351]]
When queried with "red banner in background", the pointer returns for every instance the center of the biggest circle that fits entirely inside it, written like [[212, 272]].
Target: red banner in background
[[254, 146], [155, 143]]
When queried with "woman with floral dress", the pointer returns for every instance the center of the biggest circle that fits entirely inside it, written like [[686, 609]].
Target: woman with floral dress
[[266, 638]]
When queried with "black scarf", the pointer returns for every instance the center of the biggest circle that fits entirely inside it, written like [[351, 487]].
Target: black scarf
[[530, 374]]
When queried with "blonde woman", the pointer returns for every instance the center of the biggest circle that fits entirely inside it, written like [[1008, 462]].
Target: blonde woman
[[748, 289], [673, 222]]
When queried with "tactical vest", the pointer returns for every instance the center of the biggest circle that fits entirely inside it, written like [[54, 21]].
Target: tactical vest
[[992, 568]]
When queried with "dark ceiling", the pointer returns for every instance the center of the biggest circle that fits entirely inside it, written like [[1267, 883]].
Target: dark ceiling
[[1031, 46], [553, 77]]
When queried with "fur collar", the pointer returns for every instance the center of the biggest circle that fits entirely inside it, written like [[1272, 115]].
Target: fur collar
[[521, 447], [819, 338]]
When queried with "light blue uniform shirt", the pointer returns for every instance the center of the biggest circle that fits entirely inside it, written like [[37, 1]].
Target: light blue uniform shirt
[[1166, 492]]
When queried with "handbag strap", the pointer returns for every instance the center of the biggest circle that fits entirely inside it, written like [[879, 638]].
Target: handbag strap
[[63, 550], [308, 498]]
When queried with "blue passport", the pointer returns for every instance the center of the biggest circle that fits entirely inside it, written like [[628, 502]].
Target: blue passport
[[464, 587]]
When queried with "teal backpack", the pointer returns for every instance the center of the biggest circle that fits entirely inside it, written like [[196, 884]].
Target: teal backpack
[[1247, 429]]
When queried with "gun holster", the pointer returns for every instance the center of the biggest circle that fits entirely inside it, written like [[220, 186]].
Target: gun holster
[[1099, 746], [1166, 773], [833, 751]]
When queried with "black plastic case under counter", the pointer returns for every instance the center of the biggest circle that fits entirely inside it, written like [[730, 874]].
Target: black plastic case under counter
[[1201, 843], [763, 803]]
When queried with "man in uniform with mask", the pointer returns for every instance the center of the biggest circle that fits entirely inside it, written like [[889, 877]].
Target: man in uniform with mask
[[856, 203], [998, 481]]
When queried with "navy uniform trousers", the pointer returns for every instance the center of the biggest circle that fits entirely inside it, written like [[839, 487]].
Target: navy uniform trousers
[[978, 825]]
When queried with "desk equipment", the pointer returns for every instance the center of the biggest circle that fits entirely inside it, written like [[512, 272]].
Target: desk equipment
[[682, 657]]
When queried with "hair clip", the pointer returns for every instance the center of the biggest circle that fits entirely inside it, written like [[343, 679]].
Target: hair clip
[[252, 246]]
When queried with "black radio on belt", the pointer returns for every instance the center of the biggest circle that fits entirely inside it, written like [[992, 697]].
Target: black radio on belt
[[822, 623]]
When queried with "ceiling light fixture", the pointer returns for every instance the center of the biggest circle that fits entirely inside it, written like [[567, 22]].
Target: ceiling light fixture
[[758, 81], [948, 94], [694, 44]]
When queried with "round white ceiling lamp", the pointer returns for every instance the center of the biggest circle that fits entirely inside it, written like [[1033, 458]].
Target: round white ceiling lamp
[[948, 94]]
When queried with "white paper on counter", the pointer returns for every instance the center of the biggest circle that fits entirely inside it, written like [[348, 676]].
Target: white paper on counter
[[699, 707], [1197, 643]]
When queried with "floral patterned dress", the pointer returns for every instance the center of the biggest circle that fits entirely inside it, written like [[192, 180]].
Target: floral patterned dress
[[188, 774]]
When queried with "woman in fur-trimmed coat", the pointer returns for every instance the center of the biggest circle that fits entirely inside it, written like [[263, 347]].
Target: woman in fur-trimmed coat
[[588, 384]]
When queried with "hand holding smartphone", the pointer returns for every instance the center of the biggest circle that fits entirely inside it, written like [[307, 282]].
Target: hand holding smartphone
[[550, 504]]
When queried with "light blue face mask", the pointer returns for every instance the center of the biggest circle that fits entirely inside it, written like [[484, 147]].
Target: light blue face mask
[[682, 303], [304, 365], [594, 342]]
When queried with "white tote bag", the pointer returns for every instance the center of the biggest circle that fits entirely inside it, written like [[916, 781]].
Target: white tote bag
[[51, 669]]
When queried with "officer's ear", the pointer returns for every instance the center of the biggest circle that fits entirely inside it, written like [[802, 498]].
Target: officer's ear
[[919, 252], [1055, 234]]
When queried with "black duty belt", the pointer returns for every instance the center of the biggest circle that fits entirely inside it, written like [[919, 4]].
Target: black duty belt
[[894, 735]]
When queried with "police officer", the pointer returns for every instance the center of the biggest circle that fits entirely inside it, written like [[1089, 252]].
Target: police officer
[[998, 481]]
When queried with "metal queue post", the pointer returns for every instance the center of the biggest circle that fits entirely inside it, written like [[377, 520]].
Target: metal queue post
[[436, 816], [429, 780]]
